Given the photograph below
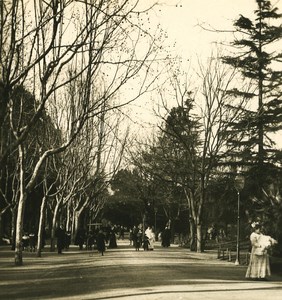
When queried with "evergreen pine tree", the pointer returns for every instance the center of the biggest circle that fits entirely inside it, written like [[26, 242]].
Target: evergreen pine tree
[[258, 62]]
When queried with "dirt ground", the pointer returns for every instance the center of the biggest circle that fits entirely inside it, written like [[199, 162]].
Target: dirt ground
[[123, 273]]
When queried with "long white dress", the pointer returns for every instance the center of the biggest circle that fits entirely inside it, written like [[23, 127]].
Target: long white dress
[[259, 261], [151, 237]]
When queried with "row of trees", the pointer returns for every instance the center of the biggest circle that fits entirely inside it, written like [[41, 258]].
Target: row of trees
[[63, 65], [61, 141], [224, 126]]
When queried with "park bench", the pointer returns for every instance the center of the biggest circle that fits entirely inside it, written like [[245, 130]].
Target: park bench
[[226, 250]]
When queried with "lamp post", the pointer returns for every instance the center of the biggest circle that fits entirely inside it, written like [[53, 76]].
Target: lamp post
[[156, 210], [239, 185]]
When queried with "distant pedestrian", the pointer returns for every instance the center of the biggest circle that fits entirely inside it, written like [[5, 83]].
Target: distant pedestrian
[[25, 241], [212, 232], [138, 241], [166, 237], [68, 239], [80, 238], [61, 238], [135, 230], [32, 240], [112, 239], [90, 240], [130, 236], [121, 232], [101, 242], [145, 243], [259, 267], [151, 237], [43, 239]]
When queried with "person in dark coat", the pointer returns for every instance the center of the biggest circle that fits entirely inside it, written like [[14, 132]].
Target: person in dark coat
[[25, 241], [43, 240], [61, 237], [32, 240], [90, 240], [101, 242], [138, 241], [135, 231], [112, 239], [146, 243], [68, 239], [166, 237], [80, 238]]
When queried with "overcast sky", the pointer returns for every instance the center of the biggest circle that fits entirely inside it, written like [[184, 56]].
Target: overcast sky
[[181, 19]]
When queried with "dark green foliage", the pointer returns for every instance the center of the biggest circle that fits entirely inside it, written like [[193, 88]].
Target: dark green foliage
[[258, 63], [124, 206], [42, 134]]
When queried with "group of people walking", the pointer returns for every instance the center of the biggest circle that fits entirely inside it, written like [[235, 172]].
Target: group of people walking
[[100, 238], [136, 237], [140, 239], [97, 238], [261, 245], [258, 268], [29, 240], [146, 239]]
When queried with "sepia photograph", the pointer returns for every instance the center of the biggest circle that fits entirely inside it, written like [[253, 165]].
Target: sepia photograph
[[140, 149]]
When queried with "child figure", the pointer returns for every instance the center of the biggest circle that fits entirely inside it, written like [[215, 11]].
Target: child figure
[[146, 243], [138, 240]]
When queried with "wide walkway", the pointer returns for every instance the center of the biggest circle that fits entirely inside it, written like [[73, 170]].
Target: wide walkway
[[123, 273]]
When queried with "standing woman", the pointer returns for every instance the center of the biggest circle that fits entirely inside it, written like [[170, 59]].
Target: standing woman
[[259, 267], [151, 237], [112, 239], [101, 242], [61, 238]]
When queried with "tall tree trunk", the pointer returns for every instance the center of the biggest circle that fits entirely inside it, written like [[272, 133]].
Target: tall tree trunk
[[76, 216], [41, 226], [13, 229], [199, 237], [73, 231], [198, 215], [260, 98], [190, 200], [53, 229], [192, 233], [20, 214], [68, 221]]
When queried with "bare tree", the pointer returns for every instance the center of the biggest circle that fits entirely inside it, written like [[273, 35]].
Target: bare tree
[[38, 51], [9, 193], [49, 184], [199, 127]]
